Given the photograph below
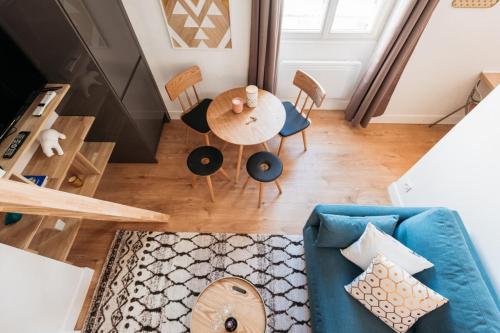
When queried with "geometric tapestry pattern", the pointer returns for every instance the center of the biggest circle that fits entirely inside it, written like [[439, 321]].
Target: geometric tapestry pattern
[[198, 23], [151, 280], [474, 3], [393, 295]]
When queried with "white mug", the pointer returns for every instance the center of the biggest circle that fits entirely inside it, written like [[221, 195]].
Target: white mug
[[252, 94]]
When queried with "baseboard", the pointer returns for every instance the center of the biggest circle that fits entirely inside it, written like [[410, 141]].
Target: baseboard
[[415, 119], [394, 195], [175, 114], [384, 119], [328, 104]]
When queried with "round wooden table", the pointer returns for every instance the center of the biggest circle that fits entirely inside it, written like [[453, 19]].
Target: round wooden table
[[235, 296], [252, 126]]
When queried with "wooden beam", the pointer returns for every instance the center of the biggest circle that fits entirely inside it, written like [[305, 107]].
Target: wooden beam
[[28, 199]]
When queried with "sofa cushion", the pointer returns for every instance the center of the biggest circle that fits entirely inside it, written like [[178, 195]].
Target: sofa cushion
[[341, 231], [437, 235], [393, 295]]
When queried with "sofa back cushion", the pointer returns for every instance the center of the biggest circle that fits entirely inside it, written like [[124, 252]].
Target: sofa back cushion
[[436, 234], [341, 231]]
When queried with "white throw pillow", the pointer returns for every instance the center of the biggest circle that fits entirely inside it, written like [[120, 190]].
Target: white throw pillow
[[374, 242]]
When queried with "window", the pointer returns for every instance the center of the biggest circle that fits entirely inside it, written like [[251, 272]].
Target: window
[[304, 16], [356, 16], [335, 18]]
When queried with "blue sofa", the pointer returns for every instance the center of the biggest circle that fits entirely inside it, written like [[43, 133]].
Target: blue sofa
[[439, 235]]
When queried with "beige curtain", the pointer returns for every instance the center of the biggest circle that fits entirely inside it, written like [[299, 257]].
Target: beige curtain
[[394, 49], [264, 43]]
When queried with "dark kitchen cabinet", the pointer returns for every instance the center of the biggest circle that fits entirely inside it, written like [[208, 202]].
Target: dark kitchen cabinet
[[142, 106], [103, 27], [89, 44]]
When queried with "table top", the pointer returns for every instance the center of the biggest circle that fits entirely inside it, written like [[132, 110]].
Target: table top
[[247, 307], [491, 79], [268, 118]]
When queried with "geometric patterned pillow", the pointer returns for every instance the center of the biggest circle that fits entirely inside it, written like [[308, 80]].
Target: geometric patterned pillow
[[393, 295]]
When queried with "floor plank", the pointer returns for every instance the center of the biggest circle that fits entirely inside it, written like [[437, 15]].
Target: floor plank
[[342, 165]]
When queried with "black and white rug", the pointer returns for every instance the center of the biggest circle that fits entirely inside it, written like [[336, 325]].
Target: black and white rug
[[151, 280]]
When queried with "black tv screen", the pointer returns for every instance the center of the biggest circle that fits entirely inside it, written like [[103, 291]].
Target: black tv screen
[[20, 83]]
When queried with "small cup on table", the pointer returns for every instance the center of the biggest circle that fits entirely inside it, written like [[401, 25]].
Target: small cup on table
[[237, 105]]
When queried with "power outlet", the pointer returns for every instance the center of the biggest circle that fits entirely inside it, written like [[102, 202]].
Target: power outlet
[[407, 186]]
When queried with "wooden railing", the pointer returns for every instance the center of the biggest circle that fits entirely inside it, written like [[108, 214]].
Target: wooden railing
[[28, 199]]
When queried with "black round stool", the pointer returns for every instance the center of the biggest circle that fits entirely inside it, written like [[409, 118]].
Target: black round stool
[[264, 167], [205, 161]]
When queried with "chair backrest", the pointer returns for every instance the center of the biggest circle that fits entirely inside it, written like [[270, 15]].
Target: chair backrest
[[181, 82], [311, 88]]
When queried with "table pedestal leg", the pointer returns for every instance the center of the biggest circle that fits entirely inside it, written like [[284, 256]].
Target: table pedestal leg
[[266, 147], [238, 164]]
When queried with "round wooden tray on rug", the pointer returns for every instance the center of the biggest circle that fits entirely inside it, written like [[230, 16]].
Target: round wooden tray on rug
[[244, 302]]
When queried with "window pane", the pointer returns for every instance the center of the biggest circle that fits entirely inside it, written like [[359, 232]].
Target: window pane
[[304, 16], [356, 16]]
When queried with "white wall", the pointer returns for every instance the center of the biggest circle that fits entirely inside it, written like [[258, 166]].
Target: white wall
[[455, 47], [462, 172], [221, 69], [39, 294]]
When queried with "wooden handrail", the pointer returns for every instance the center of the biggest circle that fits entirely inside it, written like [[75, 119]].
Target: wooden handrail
[[28, 199]]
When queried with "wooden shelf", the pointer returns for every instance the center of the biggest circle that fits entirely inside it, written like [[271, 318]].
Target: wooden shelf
[[56, 244], [85, 159], [75, 128], [32, 124], [53, 243], [21, 233], [98, 153]]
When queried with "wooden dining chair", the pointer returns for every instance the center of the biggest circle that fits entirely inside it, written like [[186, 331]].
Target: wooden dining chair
[[298, 121], [194, 115]]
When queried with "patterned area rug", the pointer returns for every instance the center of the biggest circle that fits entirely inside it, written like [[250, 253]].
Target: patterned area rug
[[151, 280]]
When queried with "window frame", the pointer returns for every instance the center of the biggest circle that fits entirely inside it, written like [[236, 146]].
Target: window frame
[[325, 34]]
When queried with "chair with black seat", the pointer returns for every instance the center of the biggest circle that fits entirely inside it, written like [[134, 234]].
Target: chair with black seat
[[194, 115], [205, 161], [298, 121], [264, 167]]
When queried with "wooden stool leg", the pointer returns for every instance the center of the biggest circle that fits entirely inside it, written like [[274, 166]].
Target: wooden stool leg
[[211, 189], [193, 180], [281, 145], [224, 173], [266, 147], [260, 193], [238, 164], [224, 145], [304, 138], [246, 182], [207, 141], [278, 186]]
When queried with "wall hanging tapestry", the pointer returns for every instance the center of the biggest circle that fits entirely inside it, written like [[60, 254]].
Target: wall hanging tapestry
[[474, 3], [198, 23], [151, 280]]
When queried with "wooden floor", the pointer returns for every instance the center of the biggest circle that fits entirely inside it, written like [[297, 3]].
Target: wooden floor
[[342, 165]]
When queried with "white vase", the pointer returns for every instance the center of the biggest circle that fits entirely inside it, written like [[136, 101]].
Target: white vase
[[252, 96]]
